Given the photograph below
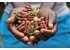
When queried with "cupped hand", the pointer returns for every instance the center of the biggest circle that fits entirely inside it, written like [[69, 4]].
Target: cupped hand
[[32, 40], [51, 18]]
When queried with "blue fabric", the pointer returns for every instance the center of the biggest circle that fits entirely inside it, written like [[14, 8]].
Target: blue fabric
[[61, 39]]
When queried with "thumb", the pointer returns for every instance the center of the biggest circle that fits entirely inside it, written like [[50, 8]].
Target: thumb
[[11, 19], [51, 21]]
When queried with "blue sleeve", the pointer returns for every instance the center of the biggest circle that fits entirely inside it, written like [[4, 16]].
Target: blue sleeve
[[0, 27], [3, 22]]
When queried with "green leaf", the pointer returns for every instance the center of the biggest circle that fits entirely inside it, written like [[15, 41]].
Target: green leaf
[[30, 13], [18, 17], [32, 32], [34, 10]]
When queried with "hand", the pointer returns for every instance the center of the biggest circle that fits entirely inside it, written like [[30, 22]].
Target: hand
[[52, 23], [19, 35]]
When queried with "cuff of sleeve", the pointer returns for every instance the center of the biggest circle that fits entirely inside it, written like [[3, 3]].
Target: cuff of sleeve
[[8, 8]]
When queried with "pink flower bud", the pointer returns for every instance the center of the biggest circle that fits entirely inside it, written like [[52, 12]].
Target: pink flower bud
[[24, 9], [28, 6]]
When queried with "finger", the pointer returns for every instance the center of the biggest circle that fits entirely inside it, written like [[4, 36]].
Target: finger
[[15, 31], [11, 19], [12, 15], [29, 43], [50, 26], [19, 35], [34, 39], [52, 18], [37, 32], [49, 32], [25, 40], [40, 35]]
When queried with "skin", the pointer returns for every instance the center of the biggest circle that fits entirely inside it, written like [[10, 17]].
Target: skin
[[51, 16], [20, 36]]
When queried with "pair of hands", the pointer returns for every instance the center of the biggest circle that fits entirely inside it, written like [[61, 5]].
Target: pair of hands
[[44, 32]]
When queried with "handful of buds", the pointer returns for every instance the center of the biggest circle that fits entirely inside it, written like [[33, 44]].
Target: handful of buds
[[28, 22]]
